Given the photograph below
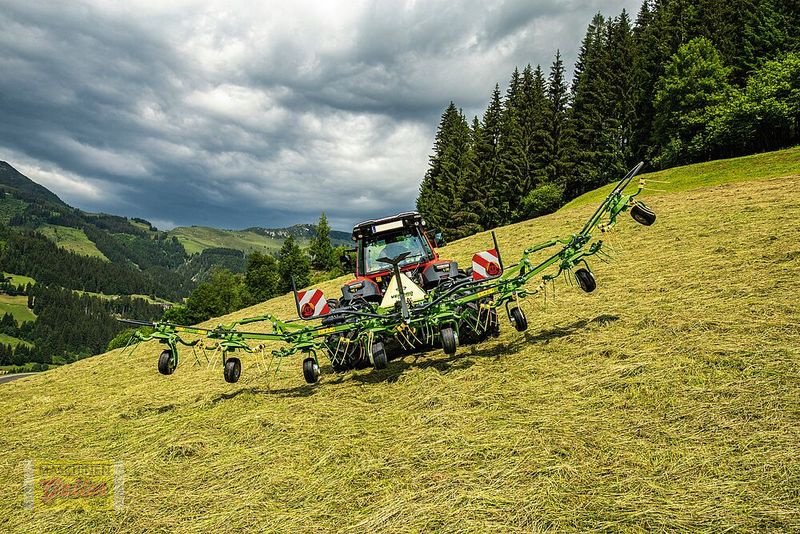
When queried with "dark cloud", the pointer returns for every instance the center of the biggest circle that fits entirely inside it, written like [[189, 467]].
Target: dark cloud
[[234, 115]]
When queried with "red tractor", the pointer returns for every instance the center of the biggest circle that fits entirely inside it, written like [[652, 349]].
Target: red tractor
[[384, 247]]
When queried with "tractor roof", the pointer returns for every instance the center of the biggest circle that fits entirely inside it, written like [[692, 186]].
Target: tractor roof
[[386, 224]]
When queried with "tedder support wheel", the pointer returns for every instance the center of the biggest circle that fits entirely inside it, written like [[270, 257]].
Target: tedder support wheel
[[379, 359], [518, 319], [642, 214], [165, 365], [311, 370], [232, 370], [585, 280], [449, 340]]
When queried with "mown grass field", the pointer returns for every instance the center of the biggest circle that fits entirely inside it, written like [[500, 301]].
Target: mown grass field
[[71, 239], [16, 306], [668, 399]]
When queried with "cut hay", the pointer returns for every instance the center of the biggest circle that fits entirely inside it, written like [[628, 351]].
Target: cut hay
[[669, 399]]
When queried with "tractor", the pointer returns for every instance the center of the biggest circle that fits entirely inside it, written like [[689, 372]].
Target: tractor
[[395, 248]]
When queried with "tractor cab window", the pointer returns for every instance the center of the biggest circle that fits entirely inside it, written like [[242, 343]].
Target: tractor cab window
[[391, 245]]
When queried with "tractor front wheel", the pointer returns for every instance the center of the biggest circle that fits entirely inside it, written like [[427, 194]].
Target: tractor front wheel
[[379, 358], [585, 280], [232, 370], [642, 214], [449, 340], [165, 365], [311, 370], [518, 319]]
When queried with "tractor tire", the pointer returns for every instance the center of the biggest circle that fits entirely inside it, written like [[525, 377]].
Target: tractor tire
[[379, 358], [232, 370], [165, 365], [449, 340], [585, 280], [311, 370], [642, 214], [518, 319]]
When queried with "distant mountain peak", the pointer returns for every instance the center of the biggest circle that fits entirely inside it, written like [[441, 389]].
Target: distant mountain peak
[[23, 187]]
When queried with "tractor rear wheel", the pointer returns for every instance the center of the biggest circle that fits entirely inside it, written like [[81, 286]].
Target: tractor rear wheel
[[642, 214], [449, 340], [232, 370], [585, 280], [518, 319], [311, 370], [379, 359], [165, 365]]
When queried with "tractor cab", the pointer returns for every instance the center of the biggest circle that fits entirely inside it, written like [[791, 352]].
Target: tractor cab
[[388, 238]]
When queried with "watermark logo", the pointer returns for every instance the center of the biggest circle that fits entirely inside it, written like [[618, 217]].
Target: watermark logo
[[96, 485]]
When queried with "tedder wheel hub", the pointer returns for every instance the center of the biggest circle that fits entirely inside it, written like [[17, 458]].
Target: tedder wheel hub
[[311, 370], [379, 359], [165, 365], [585, 280], [642, 214], [232, 370], [518, 319], [449, 340]]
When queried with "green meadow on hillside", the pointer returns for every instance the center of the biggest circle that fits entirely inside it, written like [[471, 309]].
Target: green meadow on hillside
[[666, 400], [71, 239], [196, 239], [16, 306]]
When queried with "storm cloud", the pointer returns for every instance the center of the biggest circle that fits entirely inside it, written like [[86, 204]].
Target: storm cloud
[[235, 115]]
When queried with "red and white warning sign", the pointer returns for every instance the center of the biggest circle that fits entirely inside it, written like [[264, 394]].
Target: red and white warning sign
[[486, 264], [311, 303]]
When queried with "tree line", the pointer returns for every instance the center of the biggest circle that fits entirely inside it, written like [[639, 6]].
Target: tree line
[[686, 81]]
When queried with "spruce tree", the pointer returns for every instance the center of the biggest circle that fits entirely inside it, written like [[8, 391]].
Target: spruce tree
[[558, 150], [647, 68], [514, 179], [488, 156], [321, 249], [471, 201], [438, 191]]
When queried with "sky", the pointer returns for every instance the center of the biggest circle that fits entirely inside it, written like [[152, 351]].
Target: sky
[[237, 113]]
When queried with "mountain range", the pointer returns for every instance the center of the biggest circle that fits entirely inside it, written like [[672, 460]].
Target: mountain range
[[167, 262]]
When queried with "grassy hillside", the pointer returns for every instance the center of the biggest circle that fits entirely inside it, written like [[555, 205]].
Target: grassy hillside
[[198, 238], [16, 306], [779, 164], [10, 340], [665, 400], [72, 239], [18, 279]]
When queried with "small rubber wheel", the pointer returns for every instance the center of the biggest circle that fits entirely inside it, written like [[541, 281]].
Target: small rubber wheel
[[642, 214], [165, 365], [379, 359], [518, 319], [449, 340], [585, 280], [232, 370], [311, 370]]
